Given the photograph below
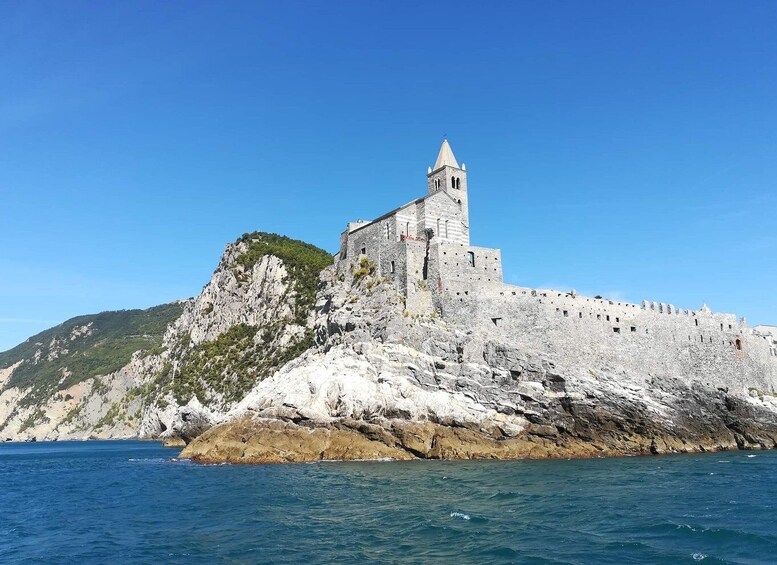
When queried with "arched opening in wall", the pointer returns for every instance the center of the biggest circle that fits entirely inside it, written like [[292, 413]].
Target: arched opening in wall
[[438, 227], [393, 268], [388, 231], [738, 344], [453, 182], [407, 228], [458, 182], [446, 229], [470, 258]]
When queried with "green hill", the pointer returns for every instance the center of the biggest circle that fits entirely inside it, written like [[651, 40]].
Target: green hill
[[84, 347]]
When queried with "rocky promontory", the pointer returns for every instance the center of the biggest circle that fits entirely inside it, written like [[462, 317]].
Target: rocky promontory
[[384, 382], [283, 358]]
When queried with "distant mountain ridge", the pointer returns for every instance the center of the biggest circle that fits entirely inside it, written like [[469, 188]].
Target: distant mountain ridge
[[84, 347]]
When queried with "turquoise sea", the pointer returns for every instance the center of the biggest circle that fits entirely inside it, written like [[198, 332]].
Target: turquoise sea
[[133, 502]]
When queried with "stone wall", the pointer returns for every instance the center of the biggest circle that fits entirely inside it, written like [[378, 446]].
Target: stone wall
[[446, 218], [598, 334], [464, 284]]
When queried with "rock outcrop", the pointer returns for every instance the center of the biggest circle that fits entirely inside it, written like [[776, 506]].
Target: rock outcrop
[[396, 384], [254, 314]]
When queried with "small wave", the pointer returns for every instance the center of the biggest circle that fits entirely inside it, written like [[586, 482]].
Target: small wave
[[460, 515], [751, 456], [698, 556], [504, 495]]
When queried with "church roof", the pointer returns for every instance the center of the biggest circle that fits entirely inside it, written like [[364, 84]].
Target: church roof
[[445, 157]]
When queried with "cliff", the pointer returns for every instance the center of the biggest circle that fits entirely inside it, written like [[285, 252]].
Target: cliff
[[172, 370], [385, 381]]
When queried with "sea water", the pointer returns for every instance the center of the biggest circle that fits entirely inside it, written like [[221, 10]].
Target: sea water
[[133, 502]]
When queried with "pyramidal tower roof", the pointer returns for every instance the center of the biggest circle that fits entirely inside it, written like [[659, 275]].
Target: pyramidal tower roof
[[445, 157]]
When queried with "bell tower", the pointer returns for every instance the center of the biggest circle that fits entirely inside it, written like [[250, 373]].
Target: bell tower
[[447, 176]]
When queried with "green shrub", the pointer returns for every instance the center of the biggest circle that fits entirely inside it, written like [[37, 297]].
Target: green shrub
[[304, 262], [113, 338], [365, 268], [37, 416]]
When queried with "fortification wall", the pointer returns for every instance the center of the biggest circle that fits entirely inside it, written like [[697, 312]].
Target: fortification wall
[[456, 263], [583, 333]]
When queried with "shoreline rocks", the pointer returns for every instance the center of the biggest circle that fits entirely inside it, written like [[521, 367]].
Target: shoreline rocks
[[251, 440]]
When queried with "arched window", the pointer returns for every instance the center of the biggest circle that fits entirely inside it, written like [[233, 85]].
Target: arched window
[[458, 180], [438, 227], [453, 182], [470, 258], [388, 231], [446, 229], [738, 344]]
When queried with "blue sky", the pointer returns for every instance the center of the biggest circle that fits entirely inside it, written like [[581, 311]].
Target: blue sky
[[626, 149]]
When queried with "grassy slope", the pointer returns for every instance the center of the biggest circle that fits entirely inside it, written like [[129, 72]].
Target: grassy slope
[[115, 336]]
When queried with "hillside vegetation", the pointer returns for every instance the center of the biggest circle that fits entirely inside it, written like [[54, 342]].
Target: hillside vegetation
[[231, 364], [84, 347], [303, 261]]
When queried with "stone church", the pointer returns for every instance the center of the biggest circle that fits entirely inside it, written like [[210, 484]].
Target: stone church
[[423, 247], [426, 241]]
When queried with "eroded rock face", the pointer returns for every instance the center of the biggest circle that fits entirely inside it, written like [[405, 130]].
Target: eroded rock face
[[403, 385], [191, 421]]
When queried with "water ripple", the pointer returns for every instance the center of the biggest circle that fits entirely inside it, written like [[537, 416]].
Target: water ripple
[[98, 502]]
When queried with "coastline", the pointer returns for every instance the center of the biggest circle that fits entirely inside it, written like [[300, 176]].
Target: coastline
[[251, 441]]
